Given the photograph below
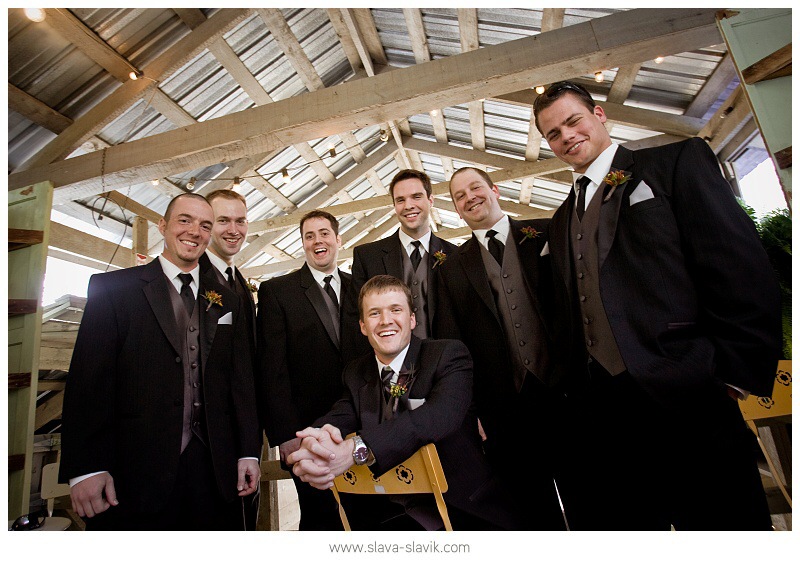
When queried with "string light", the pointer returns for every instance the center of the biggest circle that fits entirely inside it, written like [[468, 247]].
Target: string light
[[659, 60], [236, 182], [191, 184], [35, 14], [384, 135], [155, 182], [540, 89], [332, 151], [598, 76], [434, 112], [135, 74], [286, 177]]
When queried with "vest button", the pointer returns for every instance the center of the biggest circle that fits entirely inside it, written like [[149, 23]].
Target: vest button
[[522, 343], [580, 276], [513, 307], [527, 362], [586, 320], [583, 298], [580, 236], [509, 290], [589, 342], [194, 365], [580, 256], [192, 347], [195, 385], [195, 424], [516, 325], [505, 275], [416, 282], [178, 360], [196, 404], [192, 329]]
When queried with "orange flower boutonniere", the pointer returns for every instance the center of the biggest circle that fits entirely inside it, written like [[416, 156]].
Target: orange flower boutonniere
[[213, 298], [528, 233], [440, 258], [251, 285], [615, 178]]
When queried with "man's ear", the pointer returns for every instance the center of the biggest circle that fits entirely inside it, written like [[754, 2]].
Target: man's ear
[[600, 113]]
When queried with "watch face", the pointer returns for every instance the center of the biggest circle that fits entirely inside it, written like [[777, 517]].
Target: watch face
[[360, 452]]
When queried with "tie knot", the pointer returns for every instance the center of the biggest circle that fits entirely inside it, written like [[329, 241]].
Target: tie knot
[[386, 374], [229, 271], [186, 279], [416, 244], [327, 280], [491, 233], [583, 181]]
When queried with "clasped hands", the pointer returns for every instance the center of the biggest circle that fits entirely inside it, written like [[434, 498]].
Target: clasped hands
[[322, 456]]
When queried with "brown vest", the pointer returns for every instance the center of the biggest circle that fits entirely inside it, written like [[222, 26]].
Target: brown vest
[[598, 336], [521, 323]]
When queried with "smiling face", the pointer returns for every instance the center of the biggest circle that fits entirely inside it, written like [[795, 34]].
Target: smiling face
[[576, 134], [321, 244], [186, 231], [387, 322], [476, 201], [412, 206], [230, 228]]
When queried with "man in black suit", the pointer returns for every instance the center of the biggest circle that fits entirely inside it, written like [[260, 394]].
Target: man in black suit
[[669, 311], [227, 236], [299, 372], [434, 404], [492, 296], [411, 254], [160, 425]]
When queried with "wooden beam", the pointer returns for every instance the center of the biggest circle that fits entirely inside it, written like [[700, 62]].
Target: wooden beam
[[774, 65], [715, 85], [73, 240], [49, 410], [130, 91], [286, 39], [468, 27], [55, 358], [36, 111], [625, 38], [552, 18], [623, 83], [133, 206], [19, 380]]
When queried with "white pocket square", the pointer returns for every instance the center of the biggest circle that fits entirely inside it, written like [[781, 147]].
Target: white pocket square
[[641, 193], [415, 403], [226, 319], [545, 249]]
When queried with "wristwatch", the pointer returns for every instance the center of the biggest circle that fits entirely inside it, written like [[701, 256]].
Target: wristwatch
[[360, 451]]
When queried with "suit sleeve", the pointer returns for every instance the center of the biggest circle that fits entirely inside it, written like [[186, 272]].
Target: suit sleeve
[[737, 289], [277, 411], [354, 344], [443, 412], [88, 412], [445, 324], [243, 390]]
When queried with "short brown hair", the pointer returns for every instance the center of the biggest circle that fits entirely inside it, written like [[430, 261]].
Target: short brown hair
[[408, 173], [481, 173], [318, 213], [176, 198], [556, 91], [381, 284], [226, 194]]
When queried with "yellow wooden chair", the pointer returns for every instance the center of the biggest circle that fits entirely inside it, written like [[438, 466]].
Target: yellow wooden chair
[[759, 411], [420, 473]]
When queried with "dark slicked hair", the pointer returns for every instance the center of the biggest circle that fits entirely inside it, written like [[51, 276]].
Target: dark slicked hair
[[556, 91], [382, 284], [168, 212], [318, 213], [408, 173], [226, 194]]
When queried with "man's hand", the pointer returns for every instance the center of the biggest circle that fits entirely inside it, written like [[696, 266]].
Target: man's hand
[[249, 476], [322, 456], [93, 495]]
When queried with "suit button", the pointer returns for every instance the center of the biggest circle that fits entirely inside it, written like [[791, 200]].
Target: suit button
[[416, 282], [513, 307], [516, 325], [195, 424], [178, 360], [195, 385], [505, 275], [527, 362], [583, 298]]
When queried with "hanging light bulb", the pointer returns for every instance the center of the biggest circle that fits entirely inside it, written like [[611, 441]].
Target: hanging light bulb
[[35, 14], [155, 182], [286, 177], [332, 150], [236, 182], [659, 60], [384, 135], [134, 74], [434, 112], [540, 89], [598, 76], [191, 184]]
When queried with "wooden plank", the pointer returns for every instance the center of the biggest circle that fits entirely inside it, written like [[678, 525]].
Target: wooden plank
[[784, 158], [773, 65], [73, 240], [36, 111], [19, 380], [625, 38], [52, 385], [20, 238], [283, 35], [50, 409], [22, 306], [16, 462], [552, 18], [133, 206], [715, 85], [55, 358]]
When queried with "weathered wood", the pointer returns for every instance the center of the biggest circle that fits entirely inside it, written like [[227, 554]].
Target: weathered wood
[[49, 410], [36, 111], [774, 65], [22, 306], [19, 380], [20, 238]]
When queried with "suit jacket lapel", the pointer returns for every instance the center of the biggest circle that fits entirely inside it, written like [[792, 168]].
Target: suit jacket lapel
[[558, 238], [156, 291], [434, 247], [476, 273], [250, 304], [209, 316], [411, 364], [314, 294], [609, 211], [393, 259], [370, 393]]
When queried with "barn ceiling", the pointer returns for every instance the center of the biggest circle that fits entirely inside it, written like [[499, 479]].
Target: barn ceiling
[[308, 108]]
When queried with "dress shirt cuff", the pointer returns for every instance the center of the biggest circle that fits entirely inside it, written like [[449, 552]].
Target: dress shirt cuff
[[241, 458], [75, 480]]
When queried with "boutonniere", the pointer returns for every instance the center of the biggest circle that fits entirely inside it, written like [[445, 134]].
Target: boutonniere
[[528, 233], [440, 258], [251, 285], [213, 298], [614, 179], [404, 381]]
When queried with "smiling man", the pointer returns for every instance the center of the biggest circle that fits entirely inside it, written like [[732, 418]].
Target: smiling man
[[299, 367], [410, 254], [160, 426], [492, 296], [435, 405]]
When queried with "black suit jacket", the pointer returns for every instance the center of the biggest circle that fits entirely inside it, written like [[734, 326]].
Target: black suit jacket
[[685, 282], [383, 256], [123, 405], [443, 377], [467, 312], [299, 372]]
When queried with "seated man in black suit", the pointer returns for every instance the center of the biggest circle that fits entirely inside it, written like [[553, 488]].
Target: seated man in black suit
[[434, 405]]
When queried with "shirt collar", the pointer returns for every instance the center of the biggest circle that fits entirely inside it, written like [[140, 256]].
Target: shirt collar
[[406, 241], [503, 227], [319, 277], [219, 263], [598, 169], [172, 271], [396, 364]]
